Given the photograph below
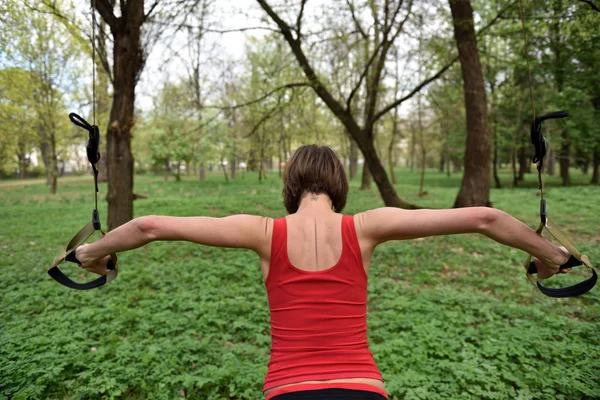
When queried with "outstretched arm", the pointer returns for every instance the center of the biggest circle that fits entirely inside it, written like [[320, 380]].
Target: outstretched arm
[[383, 224], [239, 231]]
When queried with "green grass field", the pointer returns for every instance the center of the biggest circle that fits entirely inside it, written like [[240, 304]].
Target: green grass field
[[449, 317]]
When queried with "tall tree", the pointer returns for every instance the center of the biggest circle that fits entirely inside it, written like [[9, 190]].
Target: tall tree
[[389, 22], [475, 186]]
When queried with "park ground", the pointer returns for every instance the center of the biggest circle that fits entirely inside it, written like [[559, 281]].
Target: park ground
[[449, 317]]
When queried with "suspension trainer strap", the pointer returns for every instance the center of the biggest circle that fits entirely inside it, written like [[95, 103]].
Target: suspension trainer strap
[[539, 143], [94, 225], [577, 259]]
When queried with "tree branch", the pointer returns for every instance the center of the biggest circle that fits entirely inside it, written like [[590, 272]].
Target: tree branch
[[335, 106], [362, 75], [106, 11], [299, 19], [356, 21], [427, 81], [149, 13], [236, 106], [591, 3], [387, 44]]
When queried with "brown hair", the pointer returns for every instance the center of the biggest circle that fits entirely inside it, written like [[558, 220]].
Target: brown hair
[[315, 169]]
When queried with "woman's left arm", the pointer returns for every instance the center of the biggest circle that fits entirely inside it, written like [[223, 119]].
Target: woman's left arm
[[238, 231]]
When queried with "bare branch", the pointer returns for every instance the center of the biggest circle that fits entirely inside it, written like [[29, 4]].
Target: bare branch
[[416, 90], [345, 117], [355, 19], [149, 13], [387, 44], [106, 11], [427, 81], [363, 75], [264, 119], [268, 115], [199, 27], [261, 98], [299, 19], [591, 3]]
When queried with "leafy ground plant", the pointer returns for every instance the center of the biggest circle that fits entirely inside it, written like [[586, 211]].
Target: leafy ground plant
[[449, 317]]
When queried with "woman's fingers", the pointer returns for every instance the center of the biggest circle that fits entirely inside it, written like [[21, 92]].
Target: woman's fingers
[[97, 266]]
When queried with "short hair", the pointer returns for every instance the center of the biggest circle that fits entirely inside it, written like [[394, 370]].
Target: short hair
[[315, 169]]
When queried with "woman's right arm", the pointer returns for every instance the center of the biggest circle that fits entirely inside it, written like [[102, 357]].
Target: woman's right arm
[[388, 223]]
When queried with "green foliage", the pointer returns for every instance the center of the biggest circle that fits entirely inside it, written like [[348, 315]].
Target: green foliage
[[449, 317]]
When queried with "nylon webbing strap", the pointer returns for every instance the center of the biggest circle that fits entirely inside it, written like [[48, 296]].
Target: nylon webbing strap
[[75, 242], [575, 260], [94, 225]]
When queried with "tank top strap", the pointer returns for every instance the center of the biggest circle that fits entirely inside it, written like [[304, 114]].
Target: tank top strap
[[351, 242], [278, 241]]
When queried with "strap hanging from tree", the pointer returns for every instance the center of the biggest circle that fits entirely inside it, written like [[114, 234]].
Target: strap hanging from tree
[[93, 155], [539, 143]]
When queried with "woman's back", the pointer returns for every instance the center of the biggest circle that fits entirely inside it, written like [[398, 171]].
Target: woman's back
[[317, 290]]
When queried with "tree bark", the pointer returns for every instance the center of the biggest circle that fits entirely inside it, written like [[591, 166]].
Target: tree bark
[[523, 163], [353, 158], [391, 147], [596, 165], [103, 101], [366, 178], [475, 187], [551, 163], [128, 62], [564, 160]]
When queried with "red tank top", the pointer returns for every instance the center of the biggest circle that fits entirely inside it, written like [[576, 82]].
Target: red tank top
[[318, 319]]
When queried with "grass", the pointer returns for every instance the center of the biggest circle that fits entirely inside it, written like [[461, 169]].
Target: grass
[[449, 317]]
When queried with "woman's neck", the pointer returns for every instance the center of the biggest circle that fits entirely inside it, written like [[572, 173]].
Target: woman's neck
[[315, 203]]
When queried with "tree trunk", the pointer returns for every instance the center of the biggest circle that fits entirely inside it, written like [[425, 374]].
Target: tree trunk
[[103, 103], [422, 191], [391, 157], [353, 158], [596, 165], [495, 162], [128, 62], [202, 171], [523, 163], [178, 171], [224, 171], [233, 165], [53, 164], [513, 157], [366, 178], [475, 187], [551, 163], [413, 142], [564, 160], [388, 194], [45, 152]]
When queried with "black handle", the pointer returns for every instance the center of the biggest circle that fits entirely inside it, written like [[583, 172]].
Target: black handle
[[571, 291], [61, 278], [571, 262]]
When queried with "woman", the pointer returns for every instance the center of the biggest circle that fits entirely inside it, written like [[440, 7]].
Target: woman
[[315, 263]]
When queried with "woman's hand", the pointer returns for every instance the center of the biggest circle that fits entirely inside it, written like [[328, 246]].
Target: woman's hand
[[551, 266], [96, 266]]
